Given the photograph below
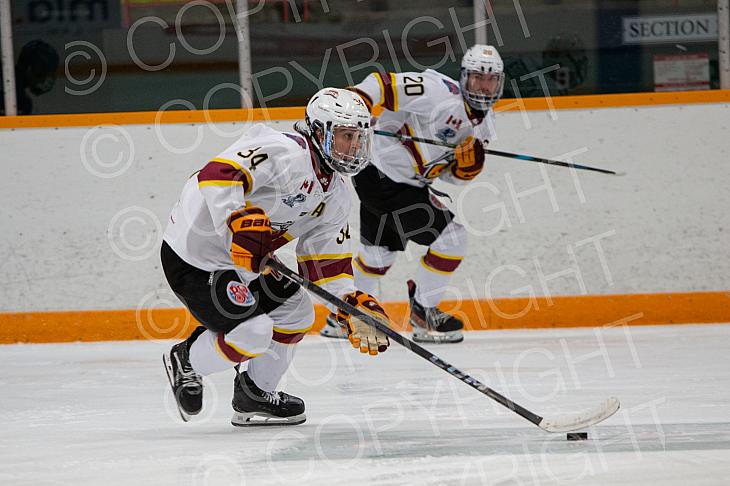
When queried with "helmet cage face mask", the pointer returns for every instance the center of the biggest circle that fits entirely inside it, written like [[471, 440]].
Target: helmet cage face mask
[[346, 162], [339, 127], [477, 100]]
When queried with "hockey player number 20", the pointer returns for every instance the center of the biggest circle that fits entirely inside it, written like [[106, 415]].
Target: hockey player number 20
[[255, 159], [413, 86]]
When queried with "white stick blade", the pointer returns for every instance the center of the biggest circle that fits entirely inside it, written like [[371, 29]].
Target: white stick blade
[[570, 423]]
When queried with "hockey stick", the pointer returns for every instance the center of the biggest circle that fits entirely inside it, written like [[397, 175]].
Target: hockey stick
[[510, 155], [564, 423]]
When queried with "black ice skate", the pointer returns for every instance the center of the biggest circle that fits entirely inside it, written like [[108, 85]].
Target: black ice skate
[[187, 385], [252, 406], [430, 324], [333, 328]]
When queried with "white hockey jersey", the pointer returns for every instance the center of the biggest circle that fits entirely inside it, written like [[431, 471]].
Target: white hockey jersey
[[426, 105], [277, 172]]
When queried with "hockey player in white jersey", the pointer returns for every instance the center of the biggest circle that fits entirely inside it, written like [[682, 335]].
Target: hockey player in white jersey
[[263, 191], [397, 204]]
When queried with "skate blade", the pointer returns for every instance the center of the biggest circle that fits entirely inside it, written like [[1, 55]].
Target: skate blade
[[256, 419], [434, 337], [168, 369]]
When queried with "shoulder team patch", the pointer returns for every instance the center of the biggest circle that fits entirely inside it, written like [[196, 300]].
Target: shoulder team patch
[[453, 87]]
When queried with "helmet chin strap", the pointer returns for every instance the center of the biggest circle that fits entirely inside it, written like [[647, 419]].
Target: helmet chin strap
[[323, 166], [322, 157], [471, 111], [309, 133]]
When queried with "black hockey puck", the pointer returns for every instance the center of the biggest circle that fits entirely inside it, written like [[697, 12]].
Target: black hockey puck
[[578, 436]]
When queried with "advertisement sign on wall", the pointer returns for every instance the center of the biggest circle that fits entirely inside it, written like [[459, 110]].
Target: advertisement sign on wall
[[682, 72]]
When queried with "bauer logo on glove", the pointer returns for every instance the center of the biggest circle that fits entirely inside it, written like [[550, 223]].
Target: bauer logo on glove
[[361, 334]]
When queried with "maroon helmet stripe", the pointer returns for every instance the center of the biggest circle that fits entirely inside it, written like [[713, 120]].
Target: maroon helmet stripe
[[318, 269], [439, 263]]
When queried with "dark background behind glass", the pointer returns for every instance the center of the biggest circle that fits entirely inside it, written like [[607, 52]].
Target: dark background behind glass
[[583, 37]]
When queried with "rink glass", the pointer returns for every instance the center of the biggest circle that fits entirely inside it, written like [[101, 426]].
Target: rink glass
[[144, 55]]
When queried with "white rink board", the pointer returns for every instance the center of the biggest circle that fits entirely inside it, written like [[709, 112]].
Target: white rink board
[[102, 413], [74, 240]]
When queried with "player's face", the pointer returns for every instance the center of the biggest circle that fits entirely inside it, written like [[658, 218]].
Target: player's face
[[483, 83], [347, 141]]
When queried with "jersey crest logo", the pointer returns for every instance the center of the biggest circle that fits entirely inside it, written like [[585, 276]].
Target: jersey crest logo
[[298, 140], [292, 201], [445, 133], [239, 294], [453, 87]]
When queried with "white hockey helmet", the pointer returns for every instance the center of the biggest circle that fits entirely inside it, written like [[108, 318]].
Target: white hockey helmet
[[339, 123], [482, 59]]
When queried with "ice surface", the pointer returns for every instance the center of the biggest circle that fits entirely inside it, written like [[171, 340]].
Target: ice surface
[[101, 413]]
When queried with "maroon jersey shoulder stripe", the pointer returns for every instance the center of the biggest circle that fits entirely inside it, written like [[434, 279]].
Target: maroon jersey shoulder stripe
[[219, 171], [388, 90]]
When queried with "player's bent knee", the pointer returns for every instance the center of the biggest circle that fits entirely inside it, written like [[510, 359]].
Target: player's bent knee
[[294, 320], [248, 340], [454, 236], [373, 261], [377, 255]]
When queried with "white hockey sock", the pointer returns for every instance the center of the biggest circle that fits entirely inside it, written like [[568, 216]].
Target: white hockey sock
[[268, 369], [370, 266], [439, 263]]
